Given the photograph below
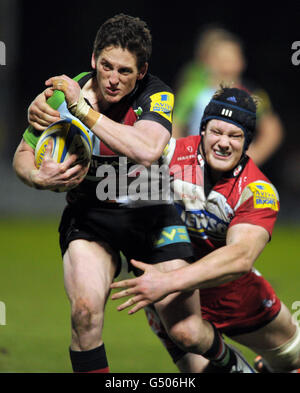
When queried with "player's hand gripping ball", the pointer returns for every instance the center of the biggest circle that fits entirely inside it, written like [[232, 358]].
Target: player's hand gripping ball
[[68, 137]]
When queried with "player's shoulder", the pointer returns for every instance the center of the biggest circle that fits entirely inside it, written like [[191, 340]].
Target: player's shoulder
[[151, 85], [253, 173], [154, 82], [181, 151], [254, 184], [188, 144]]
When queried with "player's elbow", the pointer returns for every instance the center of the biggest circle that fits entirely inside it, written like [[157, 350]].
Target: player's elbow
[[147, 158], [244, 261], [244, 264], [16, 162]]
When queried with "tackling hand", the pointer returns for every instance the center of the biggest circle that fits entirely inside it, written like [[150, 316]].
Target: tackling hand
[[151, 287]]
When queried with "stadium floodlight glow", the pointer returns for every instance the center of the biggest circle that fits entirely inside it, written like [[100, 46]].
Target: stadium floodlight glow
[[2, 313], [2, 53]]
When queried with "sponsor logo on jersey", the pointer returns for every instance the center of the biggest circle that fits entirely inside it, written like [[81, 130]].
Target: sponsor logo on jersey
[[201, 223], [264, 196], [163, 104], [172, 234], [182, 158]]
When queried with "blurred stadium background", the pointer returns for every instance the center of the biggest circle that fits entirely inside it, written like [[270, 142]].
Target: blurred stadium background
[[45, 40]]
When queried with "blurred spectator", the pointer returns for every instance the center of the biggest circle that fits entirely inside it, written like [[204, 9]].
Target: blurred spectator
[[219, 59]]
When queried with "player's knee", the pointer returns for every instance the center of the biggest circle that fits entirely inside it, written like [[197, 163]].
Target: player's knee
[[187, 335], [286, 357], [83, 315]]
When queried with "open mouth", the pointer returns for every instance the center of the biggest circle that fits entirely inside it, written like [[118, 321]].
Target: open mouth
[[222, 154], [111, 91]]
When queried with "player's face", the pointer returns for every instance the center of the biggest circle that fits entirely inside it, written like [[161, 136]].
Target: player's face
[[117, 73], [223, 144]]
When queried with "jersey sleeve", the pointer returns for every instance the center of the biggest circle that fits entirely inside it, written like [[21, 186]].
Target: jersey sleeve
[[156, 103], [258, 205], [31, 136]]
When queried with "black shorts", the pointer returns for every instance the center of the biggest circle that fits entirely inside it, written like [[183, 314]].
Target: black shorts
[[150, 234]]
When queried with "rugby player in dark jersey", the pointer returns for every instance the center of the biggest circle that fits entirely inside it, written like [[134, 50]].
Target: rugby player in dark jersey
[[129, 114]]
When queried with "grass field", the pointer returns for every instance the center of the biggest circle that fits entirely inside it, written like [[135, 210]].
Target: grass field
[[36, 335]]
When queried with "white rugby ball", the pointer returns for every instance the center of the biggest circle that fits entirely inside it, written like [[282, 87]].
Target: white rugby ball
[[68, 137]]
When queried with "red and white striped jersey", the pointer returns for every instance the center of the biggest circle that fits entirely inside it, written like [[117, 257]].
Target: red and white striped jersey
[[243, 195]]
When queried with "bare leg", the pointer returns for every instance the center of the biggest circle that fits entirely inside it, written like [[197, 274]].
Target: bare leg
[[277, 333], [192, 363], [88, 272]]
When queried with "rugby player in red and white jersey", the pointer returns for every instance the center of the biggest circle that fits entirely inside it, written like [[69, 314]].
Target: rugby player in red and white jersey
[[230, 209]]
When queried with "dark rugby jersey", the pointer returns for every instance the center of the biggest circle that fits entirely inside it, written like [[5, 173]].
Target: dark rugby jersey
[[150, 100]]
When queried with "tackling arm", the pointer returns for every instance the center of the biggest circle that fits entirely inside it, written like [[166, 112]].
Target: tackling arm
[[244, 244]]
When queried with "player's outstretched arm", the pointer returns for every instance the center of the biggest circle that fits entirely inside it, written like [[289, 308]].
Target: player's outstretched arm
[[244, 244], [50, 175], [151, 287]]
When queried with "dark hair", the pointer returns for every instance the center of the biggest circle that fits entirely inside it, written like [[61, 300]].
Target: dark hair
[[127, 32]]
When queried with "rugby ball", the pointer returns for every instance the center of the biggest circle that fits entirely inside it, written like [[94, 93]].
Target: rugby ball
[[68, 137]]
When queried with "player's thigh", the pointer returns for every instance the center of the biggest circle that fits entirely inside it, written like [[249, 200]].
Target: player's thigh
[[89, 269], [274, 334]]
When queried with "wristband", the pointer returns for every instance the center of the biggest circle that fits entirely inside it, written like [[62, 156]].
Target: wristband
[[84, 112]]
